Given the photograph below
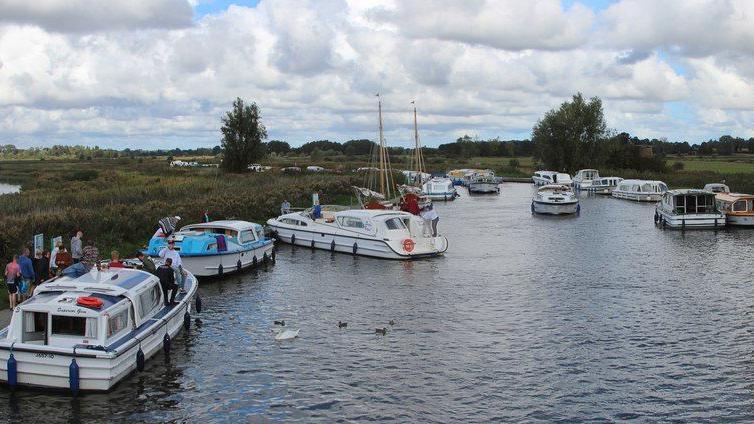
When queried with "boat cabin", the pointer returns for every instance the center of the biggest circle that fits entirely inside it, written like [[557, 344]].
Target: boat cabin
[[607, 181], [642, 186], [210, 237], [551, 177], [91, 311], [438, 185], [689, 202], [735, 203], [587, 175]]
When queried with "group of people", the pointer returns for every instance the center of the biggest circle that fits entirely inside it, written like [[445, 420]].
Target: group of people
[[24, 272]]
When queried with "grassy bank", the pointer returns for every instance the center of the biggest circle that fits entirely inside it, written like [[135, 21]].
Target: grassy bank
[[118, 203]]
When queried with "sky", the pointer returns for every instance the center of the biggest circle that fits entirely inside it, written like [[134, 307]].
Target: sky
[[161, 73]]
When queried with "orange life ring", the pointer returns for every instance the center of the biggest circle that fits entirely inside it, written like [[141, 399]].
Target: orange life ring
[[89, 302], [408, 245]]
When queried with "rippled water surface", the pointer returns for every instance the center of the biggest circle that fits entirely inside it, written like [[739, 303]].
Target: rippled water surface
[[526, 318]]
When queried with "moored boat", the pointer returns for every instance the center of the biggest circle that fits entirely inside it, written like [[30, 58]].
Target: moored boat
[[555, 199], [640, 190], [483, 182], [89, 333], [605, 185], [688, 209], [737, 207], [386, 234], [584, 179], [541, 178], [440, 188], [217, 247], [717, 188]]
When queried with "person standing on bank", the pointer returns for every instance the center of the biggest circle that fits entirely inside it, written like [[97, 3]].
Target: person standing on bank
[[76, 251], [12, 277], [27, 273], [175, 259]]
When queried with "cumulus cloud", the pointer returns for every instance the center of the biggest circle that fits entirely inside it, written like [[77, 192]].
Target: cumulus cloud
[[503, 24], [487, 68], [82, 16]]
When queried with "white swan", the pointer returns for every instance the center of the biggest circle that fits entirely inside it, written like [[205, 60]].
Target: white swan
[[286, 334]]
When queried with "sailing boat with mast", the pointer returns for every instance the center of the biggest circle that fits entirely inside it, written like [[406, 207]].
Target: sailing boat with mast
[[378, 229], [416, 175]]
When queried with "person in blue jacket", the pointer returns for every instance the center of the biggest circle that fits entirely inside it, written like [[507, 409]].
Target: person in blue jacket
[[27, 273]]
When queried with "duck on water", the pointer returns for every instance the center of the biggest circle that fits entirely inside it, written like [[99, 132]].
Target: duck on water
[[90, 332]]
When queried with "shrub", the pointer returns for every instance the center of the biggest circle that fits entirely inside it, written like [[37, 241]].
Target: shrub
[[514, 163], [677, 166]]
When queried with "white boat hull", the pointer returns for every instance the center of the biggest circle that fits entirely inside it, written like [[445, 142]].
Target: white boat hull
[[638, 197], [451, 195], [48, 366], [209, 266], [742, 221], [691, 221], [362, 246], [483, 187], [555, 208]]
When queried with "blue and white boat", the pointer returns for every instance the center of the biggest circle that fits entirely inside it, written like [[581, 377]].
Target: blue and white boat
[[89, 333], [217, 247]]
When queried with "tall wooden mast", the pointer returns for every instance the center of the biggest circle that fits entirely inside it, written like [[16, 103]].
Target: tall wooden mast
[[418, 148], [382, 148]]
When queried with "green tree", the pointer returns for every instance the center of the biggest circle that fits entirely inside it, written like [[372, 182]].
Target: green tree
[[243, 133], [569, 138], [279, 147]]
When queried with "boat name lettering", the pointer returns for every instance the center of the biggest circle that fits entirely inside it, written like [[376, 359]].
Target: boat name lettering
[[71, 311]]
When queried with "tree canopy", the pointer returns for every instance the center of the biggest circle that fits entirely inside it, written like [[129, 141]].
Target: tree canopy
[[243, 133], [567, 138]]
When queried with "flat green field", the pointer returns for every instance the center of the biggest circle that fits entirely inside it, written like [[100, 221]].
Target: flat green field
[[739, 164]]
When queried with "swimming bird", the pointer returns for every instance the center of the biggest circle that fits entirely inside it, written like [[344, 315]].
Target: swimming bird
[[287, 334], [382, 331], [342, 324], [280, 323], [392, 323]]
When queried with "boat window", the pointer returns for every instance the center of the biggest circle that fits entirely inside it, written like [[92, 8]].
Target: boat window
[[211, 246], [680, 205], [663, 187], [246, 236], [395, 224], [739, 206], [149, 300], [636, 188], [35, 327], [260, 232], [63, 325], [751, 205], [117, 323], [350, 222]]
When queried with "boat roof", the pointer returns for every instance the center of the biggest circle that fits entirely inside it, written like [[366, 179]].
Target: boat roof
[[546, 172], [587, 170], [369, 213], [643, 181], [689, 191], [554, 187], [114, 282], [235, 225], [732, 197]]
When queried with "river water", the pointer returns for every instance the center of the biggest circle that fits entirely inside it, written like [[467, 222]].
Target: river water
[[526, 318], [6, 188]]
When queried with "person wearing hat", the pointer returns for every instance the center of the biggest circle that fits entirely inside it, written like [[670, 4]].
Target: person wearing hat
[[176, 264]]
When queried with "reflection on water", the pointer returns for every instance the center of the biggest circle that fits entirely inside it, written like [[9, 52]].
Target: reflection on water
[[9, 188], [600, 316]]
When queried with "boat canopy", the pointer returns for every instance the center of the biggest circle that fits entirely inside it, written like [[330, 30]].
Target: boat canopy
[[690, 201], [717, 188], [643, 186], [735, 202]]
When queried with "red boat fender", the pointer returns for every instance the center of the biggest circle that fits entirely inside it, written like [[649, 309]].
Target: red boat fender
[[89, 302]]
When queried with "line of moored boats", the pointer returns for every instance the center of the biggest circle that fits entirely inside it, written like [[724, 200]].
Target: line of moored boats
[[713, 207]]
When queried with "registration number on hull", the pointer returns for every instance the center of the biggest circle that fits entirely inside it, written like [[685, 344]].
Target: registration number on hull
[[44, 355]]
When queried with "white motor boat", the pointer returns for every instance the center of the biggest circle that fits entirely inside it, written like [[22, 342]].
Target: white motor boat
[[584, 179], [640, 190], [216, 248], [717, 188], [90, 332], [483, 182], [378, 233], [689, 209], [440, 188], [605, 185], [541, 178], [555, 199]]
